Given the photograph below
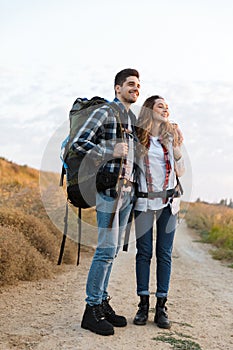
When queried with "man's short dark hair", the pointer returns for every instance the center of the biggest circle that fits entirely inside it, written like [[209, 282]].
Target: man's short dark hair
[[121, 77]]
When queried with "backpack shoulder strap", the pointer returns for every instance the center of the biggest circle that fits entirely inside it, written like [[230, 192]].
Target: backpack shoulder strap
[[179, 185], [118, 118], [63, 172]]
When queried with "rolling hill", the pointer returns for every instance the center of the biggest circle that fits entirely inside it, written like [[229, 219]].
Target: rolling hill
[[29, 239]]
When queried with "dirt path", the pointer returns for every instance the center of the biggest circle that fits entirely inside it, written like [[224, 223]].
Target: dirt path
[[46, 315]]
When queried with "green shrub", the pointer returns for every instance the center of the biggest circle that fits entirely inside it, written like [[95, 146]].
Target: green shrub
[[215, 225]]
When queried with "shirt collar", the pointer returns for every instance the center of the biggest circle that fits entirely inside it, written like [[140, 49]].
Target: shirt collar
[[123, 109], [120, 105]]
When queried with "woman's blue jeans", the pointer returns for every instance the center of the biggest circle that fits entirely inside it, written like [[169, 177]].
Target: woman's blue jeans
[[109, 242], [165, 231]]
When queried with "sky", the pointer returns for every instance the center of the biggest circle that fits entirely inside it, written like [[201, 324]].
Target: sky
[[53, 51]]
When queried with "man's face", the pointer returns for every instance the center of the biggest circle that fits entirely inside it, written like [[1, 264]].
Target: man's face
[[129, 91]]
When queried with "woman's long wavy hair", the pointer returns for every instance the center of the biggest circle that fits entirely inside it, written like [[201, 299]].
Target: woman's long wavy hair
[[167, 131]]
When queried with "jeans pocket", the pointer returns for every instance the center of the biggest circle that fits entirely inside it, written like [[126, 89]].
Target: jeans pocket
[[106, 197], [104, 202]]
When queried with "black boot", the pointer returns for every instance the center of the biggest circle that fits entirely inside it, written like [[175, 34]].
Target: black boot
[[94, 320], [142, 313], [110, 315], [161, 317]]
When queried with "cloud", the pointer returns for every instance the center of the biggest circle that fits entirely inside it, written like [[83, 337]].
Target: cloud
[[35, 106], [203, 111]]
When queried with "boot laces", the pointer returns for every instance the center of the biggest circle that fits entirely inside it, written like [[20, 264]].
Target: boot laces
[[107, 309], [98, 312]]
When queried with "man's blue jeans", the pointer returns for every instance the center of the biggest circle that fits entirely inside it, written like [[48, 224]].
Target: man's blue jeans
[[109, 242], [165, 231]]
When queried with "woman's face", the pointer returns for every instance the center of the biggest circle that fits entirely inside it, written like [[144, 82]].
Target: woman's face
[[160, 110]]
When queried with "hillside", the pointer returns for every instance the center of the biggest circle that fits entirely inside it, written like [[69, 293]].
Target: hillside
[[29, 239], [214, 224]]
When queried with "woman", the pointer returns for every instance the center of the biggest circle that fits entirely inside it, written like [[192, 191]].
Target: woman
[[160, 165]]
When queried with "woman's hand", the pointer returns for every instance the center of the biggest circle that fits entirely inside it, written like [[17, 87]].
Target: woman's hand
[[180, 136]]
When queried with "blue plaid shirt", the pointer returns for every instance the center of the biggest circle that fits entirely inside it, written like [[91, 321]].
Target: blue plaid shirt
[[99, 135]]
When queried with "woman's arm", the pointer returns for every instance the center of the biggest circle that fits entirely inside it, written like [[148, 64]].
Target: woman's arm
[[179, 161]]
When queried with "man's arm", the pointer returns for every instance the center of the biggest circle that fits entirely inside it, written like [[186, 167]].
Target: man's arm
[[96, 136]]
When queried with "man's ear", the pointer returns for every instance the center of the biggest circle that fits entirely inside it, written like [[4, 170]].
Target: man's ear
[[117, 89]]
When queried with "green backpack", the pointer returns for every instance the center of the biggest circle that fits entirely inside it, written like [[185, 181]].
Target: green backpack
[[79, 170]]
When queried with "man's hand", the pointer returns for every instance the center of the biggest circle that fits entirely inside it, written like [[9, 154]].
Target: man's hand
[[120, 150]]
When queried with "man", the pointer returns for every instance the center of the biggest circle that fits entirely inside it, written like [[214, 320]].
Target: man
[[100, 140]]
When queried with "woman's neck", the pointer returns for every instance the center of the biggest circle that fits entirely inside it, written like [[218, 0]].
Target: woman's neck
[[155, 129]]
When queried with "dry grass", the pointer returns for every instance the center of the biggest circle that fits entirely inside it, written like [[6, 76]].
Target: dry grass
[[33, 229], [215, 225], [19, 260], [29, 241]]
